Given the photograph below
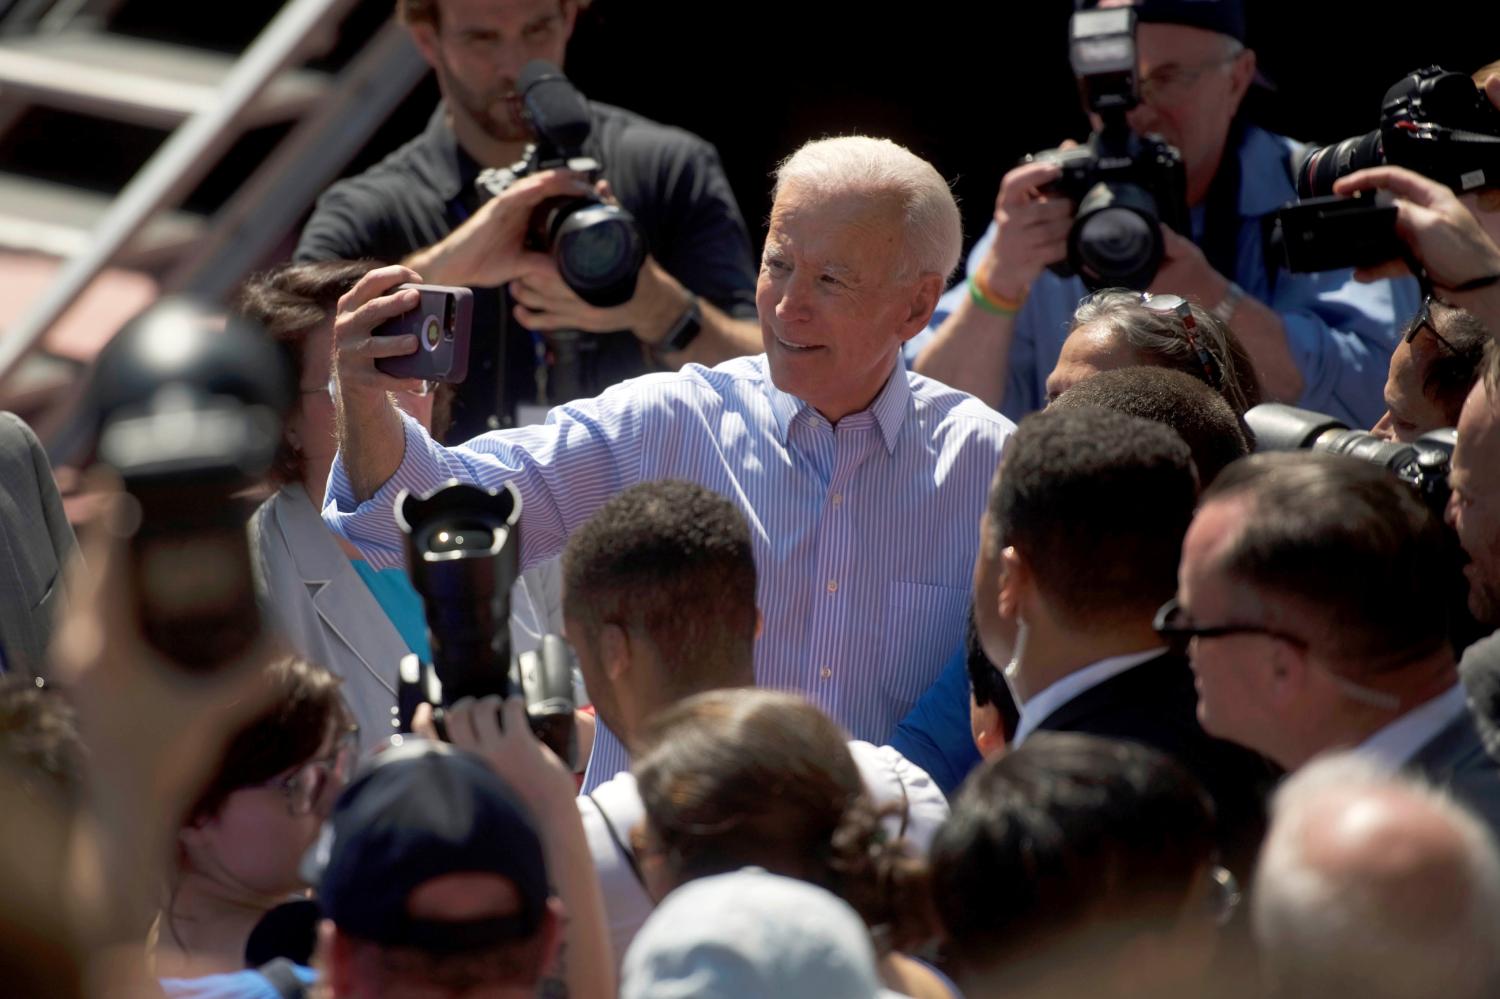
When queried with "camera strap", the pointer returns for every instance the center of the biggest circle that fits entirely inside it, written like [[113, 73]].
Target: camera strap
[[625, 851]]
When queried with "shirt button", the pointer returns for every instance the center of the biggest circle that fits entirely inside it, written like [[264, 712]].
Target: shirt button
[[838, 499], [825, 672], [833, 586]]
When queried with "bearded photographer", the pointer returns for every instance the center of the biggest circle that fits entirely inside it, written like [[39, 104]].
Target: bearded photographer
[[422, 206], [1320, 341]]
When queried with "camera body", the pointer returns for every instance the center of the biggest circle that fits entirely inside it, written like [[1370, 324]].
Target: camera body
[[190, 416], [441, 323], [1432, 121], [1424, 465], [1124, 185], [1324, 234], [597, 246], [463, 550]]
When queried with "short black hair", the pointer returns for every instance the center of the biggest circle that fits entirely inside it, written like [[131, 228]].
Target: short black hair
[[1365, 560], [1062, 838], [672, 561], [1200, 415], [1455, 366], [1098, 503]]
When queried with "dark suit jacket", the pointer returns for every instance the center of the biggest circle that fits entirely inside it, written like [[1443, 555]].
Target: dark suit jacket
[[1455, 759], [35, 542], [1156, 704]]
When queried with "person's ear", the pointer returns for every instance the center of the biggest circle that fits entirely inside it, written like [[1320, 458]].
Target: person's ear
[[1242, 74], [760, 623], [921, 304], [987, 728], [425, 36], [334, 959], [549, 934], [1016, 583], [614, 652]]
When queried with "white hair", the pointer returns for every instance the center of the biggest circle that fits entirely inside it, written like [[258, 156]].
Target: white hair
[[1325, 926], [859, 164]]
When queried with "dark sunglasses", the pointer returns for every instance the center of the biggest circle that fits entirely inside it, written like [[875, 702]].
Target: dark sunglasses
[[1174, 627], [1173, 305], [1423, 321]]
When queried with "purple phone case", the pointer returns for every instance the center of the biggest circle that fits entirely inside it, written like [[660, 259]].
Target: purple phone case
[[438, 357]]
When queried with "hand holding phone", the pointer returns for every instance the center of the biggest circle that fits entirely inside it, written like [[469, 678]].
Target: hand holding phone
[[440, 322]]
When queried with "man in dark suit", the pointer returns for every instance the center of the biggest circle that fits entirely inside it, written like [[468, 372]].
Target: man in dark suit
[[1091, 506], [1311, 587], [35, 542]]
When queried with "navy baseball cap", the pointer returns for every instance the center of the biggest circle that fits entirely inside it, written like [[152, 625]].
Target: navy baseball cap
[[419, 811], [1227, 17]]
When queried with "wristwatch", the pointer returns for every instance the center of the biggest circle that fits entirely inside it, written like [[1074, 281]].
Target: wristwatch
[[685, 328], [1224, 311]]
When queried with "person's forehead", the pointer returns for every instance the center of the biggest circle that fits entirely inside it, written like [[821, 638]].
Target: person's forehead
[[845, 228], [496, 13], [1178, 44]]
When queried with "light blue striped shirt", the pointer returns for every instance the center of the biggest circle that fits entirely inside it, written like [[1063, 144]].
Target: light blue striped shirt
[[864, 532]]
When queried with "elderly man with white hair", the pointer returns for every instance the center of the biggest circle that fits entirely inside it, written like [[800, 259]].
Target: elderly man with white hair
[[1377, 886], [862, 483]]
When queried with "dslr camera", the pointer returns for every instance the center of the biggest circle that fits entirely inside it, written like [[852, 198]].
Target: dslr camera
[[1434, 122], [1438, 123], [598, 247], [1125, 185], [1424, 464], [463, 552], [190, 415]]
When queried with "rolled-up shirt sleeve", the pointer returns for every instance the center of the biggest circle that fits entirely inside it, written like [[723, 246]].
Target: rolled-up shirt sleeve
[[565, 470]]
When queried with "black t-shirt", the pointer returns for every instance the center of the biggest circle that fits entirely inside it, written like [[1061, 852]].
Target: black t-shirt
[[669, 179]]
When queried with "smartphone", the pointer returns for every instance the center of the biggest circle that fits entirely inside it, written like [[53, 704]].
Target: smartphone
[[1325, 234], [440, 322]]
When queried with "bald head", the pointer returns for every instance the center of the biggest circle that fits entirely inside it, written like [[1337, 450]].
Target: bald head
[[1375, 886]]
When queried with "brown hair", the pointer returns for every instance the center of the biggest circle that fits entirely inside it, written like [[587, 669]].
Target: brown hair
[[427, 11], [288, 303], [732, 778], [305, 709]]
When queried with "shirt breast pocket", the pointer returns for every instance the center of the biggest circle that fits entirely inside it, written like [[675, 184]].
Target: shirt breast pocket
[[925, 624]]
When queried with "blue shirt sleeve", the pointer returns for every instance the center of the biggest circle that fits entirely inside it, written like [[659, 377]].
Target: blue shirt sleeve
[[1340, 332], [936, 735]]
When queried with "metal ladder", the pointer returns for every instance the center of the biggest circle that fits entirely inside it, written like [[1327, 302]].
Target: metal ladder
[[64, 57]]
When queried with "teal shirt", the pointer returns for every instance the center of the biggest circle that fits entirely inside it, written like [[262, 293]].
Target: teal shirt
[[401, 603]]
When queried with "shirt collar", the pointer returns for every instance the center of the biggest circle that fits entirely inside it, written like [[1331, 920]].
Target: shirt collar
[[889, 407], [1394, 745], [453, 169], [1049, 699], [1265, 174]]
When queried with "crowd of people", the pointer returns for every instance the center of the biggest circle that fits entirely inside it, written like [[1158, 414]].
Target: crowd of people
[[929, 641]]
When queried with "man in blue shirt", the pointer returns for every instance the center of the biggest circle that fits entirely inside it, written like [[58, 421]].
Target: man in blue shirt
[[1320, 341], [862, 484]]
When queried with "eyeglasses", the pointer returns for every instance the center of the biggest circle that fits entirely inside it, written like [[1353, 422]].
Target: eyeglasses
[[1172, 624], [424, 387], [1173, 305], [1170, 85], [307, 786], [1423, 321]]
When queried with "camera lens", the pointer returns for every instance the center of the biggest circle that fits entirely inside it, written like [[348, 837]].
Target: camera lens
[[1326, 164], [599, 252], [1115, 240]]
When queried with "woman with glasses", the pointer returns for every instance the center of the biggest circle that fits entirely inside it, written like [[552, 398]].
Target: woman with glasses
[[239, 849], [1119, 328]]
